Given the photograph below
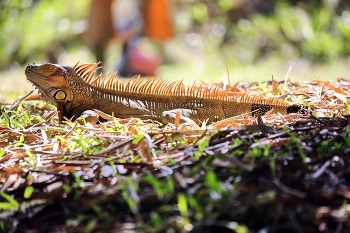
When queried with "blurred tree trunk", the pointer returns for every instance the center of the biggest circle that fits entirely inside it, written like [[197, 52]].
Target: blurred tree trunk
[[100, 29]]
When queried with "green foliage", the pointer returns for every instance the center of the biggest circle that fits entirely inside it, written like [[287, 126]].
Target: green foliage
[[5, 226], [35, 26], [318, 31], [129, 192], [212, 182], [182, 204], [315, 30], [297, 143], [32, 158], [327, 148], [203, 143], [28, 191], [10, 204], [160, 187], [20, 118], [199, 12], [137, 139]]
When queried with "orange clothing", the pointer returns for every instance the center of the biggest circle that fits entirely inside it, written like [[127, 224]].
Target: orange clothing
[[157, 20]]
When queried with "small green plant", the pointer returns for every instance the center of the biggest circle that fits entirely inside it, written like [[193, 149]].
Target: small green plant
[[161, 187], [28, 191], [10, 204], [297, 143], [137, 139], [20, 118], [129, 192], [182, 205], [212, 182]]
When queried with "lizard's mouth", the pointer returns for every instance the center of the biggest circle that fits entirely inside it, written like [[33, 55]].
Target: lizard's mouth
[[32, 73], [33, 84], [33, 78], [36, 87], [30, 69]]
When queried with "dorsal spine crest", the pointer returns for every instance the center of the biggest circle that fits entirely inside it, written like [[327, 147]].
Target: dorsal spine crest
[[154, 86]]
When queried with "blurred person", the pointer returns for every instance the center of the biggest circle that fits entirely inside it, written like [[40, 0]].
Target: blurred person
[[129, 21], [158, 23]]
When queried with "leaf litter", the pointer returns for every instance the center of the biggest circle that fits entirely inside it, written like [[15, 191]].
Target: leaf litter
[[272, 173]]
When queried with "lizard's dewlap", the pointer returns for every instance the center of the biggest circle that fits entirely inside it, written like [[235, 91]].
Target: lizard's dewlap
[[74, 90]]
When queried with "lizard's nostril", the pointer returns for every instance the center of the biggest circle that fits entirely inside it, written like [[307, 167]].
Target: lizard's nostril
[[28, 67]]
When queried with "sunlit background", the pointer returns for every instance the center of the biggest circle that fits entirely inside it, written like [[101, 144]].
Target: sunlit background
[[251, 40]]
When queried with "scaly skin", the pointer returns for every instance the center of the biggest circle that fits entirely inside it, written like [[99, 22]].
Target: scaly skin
[[73, 92]]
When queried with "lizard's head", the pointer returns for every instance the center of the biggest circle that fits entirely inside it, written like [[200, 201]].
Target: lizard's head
[[51, 81]]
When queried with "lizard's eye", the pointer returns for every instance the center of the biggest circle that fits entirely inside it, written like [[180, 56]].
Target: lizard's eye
[[58, 95], [48, 68]]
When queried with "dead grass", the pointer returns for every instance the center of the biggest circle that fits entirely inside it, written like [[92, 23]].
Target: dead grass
[[142, 176]]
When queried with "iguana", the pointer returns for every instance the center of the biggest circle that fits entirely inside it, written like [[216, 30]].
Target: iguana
[[74, 91]]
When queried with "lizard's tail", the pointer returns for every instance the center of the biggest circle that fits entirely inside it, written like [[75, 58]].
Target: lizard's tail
[[297, 108], [278, 107]]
